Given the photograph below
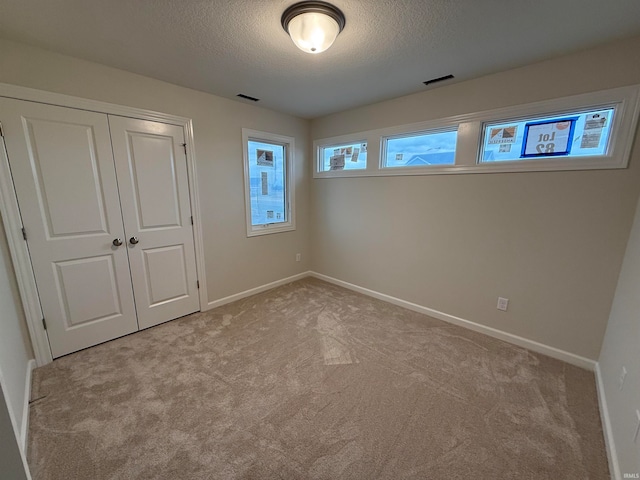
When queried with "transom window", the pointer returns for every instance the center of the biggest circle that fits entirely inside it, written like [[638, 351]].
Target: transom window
[[568, 135], [345, 156], [420, 149], [583, 132]]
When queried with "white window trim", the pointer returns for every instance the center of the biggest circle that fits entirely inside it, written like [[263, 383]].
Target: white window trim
[[470, 130], [289, 147]]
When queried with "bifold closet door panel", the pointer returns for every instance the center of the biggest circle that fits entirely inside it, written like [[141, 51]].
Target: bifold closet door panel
[[63, 169], [151, 167]]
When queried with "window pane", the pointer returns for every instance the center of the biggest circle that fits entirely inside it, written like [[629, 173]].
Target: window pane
[[350, 156], [568, 135], [421, 149], [267, 183]]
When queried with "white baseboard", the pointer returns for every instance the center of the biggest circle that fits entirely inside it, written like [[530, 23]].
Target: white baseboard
[[568, 357], [614, 466], [24, 428], [256, 290], [550, 351]]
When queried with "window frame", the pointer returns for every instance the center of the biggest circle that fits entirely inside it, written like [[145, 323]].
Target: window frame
[[612, 159], [625, 100], [288, 143]]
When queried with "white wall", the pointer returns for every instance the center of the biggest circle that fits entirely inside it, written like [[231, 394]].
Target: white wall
[[621, 348], [15, 347], [234, 263], [551, 242]]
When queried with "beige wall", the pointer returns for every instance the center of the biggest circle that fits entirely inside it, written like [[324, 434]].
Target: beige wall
[[551, 242], [11, 459], [234, 263], [621, 348]]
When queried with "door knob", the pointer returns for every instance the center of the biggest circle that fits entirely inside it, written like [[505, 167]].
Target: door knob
[[133, 240], [117, 242]]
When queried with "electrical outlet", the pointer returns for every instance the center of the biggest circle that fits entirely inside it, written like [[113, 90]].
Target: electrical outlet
[[503, 303], [635, 436], [623, 375], [298, 257]]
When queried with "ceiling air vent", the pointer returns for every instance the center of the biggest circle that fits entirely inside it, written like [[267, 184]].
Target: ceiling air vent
[[253, 99], [440, 79]]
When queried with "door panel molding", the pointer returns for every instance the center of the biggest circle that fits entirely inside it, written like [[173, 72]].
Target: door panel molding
[[61, 168], [158, 296], [13, 222], [153, 182], [68, 279], [58, 221], [168, 202]]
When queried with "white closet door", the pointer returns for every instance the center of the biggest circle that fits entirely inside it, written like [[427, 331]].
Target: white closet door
[[63, 169], [151, 165]]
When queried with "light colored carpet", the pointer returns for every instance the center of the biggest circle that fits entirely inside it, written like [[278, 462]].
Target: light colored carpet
[[312, 381]]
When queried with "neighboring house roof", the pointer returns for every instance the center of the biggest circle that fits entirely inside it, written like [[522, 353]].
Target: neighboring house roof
[[440, 158]]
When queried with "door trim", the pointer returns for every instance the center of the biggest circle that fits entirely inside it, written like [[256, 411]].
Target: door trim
[[13, 221]]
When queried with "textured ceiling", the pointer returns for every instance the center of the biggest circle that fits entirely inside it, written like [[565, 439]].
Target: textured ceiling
[[387, 49]]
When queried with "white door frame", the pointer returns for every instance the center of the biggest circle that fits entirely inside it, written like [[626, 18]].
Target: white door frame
[[13, 222]]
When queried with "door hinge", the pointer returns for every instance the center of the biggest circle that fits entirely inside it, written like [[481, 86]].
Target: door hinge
[[191, 220], [198, 284], [184, 145], [24, 234], [44, 323]]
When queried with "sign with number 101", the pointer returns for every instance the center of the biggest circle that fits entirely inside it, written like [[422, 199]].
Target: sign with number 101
[[548, 138]]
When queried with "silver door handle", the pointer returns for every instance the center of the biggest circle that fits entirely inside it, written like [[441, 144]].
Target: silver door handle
[[117, 242], [133, 240]]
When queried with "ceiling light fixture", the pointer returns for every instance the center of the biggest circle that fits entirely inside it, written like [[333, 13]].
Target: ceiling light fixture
[[313, 26]]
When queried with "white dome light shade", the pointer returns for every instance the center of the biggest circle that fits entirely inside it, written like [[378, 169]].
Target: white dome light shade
[[313, 32], [313, 25]]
